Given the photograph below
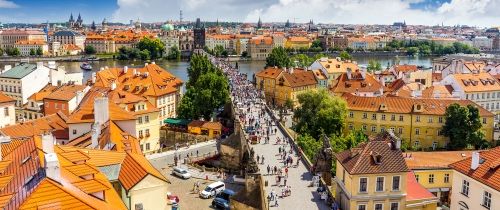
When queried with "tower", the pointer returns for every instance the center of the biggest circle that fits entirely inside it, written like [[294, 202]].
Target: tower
[[180, 16], [71, 21], [79, 21], [199, 35], [93, 27], [259, 24]]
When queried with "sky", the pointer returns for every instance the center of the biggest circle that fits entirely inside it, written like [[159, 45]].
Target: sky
[[482, 13]]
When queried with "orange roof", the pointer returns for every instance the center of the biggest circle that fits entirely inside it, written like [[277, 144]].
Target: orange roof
[[56, 123], [71, 47], [356, 83], [81, 169], [434, 160], [90, 186], [135, 168], [299, 78], [336, 65], [415, 191], [5, 199], [85, 111], [481, 82], [212, 125], [405, 105], [261, 40], [269, 72], [158, 81], [3, 165], [45, 91], [31, 42], [488, 171], [98, 157], [5, 99], [405, 68], [75, 156], [298, 39], [65, 92]]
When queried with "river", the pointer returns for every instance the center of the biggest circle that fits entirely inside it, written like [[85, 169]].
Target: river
[[179, 68]]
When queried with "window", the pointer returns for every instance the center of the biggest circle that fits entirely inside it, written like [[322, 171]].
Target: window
[[365, 115], [374, 116], [6, 111], [434, 145], [446, 178], [400, 117], [147, 132], [374, 128], [487, 200], [140, 134], [382, 129], [364, 127], [400, 130], [395, 183], [417, 177], [147, 146], [430, 120], [351, 127], [417, 131], [142, 147], [146, 119], [465, 188], [417, 119], [74, 131], [383, 117], [417, 144], [139, 120], [363, 182], [361, 207], [484, 120], [393, 117], [343, 176], [431, 178], [379, 206], [440, 119], [380, 184], [351, 114], [394, 206]]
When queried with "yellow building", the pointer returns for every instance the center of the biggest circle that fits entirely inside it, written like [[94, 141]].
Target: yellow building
[[334, 67], [433, 172], [374, 175], [298, 42], [281, 85], [210, 129], [417, 121]]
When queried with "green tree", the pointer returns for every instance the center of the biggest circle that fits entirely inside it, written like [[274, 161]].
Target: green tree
[[145, 54], [412, 51], [90, 50], [174, 54], [463, 126], [32, 51], [289, 103], [39, 51], [279, 58], [374, 66], [155, 46], [319, 112], [13, 51], [244, 54], [344, 55]]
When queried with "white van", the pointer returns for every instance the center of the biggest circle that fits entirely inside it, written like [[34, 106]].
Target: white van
[[182, 173], [213, 189]]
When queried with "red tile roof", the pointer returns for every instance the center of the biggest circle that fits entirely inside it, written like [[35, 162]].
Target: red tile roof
[[55, 123], [356, 83], [135, 168], [5, 99], [488, 171], [434, 160], [415, 191]]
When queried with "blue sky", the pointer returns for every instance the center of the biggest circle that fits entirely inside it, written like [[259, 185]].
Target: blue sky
[[484, 13]]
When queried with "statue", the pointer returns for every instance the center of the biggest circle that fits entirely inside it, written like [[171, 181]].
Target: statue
[[323, 160]]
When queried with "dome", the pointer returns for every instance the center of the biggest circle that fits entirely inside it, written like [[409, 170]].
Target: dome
[[167, 27], [182, 29]]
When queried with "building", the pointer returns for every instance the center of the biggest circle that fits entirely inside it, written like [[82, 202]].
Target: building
[[7, 111], [417, 121], [281, 85], [67, 37], [482, 88], [334, 67], [461, 67], [27, 48], [64, 99], [8, 38], [432, 171], [260, 47], [476, 181], [78, 24], [297, 42], [33, 109], [199, 35], [321, 78], [210, 129], [23, 80], [482, 43], [54, 124], [101, 44], [161, 88], [359, 83], [374, 175], [170, 37]]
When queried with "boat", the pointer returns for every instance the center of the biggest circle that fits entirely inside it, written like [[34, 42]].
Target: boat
[[86, 66], [93, 59]]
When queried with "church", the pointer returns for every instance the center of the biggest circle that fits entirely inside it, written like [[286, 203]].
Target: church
[[75, 24]]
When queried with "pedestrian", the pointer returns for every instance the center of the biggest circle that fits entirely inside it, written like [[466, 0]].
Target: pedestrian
[[197, 153], [262, 160], [286, 171], [275, 169], [276, 203], [279, 149], [268, 169], [258, 157], [284, 181]]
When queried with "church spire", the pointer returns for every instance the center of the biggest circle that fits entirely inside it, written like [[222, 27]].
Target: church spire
[[259, 24]]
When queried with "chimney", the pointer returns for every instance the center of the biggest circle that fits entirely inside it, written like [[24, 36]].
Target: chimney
[[101, 110], [101, 69], [135, 72], [113, 85], [48, 142], [94, 76], [349, 74], [95, 133], [7, 67], [79, 96], [291, 70], [153, 62], [3, 139], [125, 69], [475, 161], [52, 64], [146, 64], [52, 168], [363, 74], [39, 65]]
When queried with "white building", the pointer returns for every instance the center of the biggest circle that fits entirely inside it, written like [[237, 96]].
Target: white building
[[482, 42], [476, 181], [7, 111], [26, 47], [21, 81], [8, 38]]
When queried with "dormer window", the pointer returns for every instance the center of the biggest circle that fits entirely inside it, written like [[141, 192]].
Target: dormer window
[[377, 158]]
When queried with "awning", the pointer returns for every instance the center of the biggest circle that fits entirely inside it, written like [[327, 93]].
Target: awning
[[176, 121]]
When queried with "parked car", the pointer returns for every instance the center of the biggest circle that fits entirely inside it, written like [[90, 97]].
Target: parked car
[[213, 189], [181, 172], [221, 201]]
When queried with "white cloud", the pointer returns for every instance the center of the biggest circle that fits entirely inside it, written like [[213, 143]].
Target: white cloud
[[8, 4], [471, 12]]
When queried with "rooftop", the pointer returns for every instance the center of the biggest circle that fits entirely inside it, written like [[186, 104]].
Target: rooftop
[[19, 71], [434, 160], [488, 171]]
